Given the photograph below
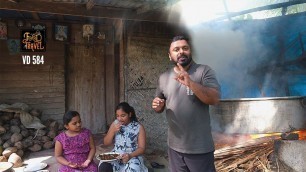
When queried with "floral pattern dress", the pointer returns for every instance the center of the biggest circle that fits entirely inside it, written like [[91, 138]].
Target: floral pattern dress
[[126, 141], [76, 150]]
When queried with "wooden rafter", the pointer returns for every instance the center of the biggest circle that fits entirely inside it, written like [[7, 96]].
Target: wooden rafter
[[79, 10], [14, 1], [35, 16], [158, 6], [267, 7], [60, 17]]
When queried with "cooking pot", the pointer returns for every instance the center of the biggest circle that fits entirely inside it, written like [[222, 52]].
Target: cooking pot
[[259, 115]]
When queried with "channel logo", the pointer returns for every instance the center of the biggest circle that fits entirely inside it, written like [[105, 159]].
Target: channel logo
[[33, 41]]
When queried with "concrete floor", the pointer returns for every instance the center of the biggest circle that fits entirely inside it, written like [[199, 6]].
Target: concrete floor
[[47, 156]]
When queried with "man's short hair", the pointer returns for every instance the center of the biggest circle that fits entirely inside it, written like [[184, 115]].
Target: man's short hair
[[180, 37]]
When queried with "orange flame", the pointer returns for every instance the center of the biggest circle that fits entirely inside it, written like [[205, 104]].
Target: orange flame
[[223, 140], [257, 136], [302, 134]]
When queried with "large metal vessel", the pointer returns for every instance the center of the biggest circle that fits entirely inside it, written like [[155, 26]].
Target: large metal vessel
[[259, 115]]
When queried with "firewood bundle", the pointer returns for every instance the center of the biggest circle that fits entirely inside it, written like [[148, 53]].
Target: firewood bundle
[[247, 157]]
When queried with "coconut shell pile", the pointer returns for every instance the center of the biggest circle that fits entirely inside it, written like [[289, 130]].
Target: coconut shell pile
[[16, 140]]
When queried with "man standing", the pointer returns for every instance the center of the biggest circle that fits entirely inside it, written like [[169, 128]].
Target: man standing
[[186, 91]]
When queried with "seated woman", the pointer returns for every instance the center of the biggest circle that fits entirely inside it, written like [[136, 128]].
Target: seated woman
[[130, 140]]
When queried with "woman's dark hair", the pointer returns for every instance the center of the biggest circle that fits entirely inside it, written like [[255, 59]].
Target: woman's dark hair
[[69, 115], [128, 109]]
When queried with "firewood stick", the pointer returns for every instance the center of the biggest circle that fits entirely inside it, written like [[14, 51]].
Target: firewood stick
[[266, 169], [235, 163], [226, 159]]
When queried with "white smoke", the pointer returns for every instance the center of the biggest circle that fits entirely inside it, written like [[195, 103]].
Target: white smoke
[[232, 53]]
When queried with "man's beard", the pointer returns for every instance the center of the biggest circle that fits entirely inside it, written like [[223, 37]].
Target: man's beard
[[184, 63]]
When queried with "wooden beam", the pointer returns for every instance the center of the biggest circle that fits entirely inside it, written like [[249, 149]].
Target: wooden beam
[[14, 1], [79, 10], [118, 29], [267, 7], [35, 16], [226, 10], [157, 6], [143, 9], [60, 17]]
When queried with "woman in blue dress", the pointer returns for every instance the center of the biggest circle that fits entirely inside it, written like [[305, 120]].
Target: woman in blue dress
[[129, 139]]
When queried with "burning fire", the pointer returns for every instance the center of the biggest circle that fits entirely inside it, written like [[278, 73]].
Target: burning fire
[[301, 133], [225, 140], [249, 149], [257, 136]]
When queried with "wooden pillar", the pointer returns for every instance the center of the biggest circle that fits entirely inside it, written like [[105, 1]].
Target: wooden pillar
[[111, 78]]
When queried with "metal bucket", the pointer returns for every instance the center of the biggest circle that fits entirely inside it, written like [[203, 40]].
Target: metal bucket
[[259, 115]]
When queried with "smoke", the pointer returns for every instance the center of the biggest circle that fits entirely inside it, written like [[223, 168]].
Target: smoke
[[234, 53], [248, 56]]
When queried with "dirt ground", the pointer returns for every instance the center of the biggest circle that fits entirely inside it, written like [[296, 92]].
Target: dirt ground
[[47, 156]]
